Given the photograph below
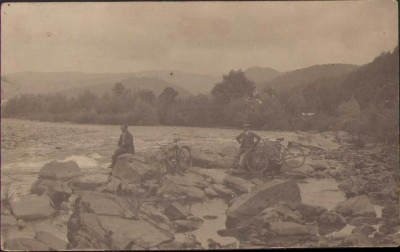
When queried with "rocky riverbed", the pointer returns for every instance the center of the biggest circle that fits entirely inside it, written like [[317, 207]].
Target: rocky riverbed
[[65, 197]]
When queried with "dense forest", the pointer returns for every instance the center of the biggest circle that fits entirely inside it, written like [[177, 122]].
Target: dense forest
[[363, 102]]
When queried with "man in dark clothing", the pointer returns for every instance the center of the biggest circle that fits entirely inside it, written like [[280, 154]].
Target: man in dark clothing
[[125, 145], [248, 140]]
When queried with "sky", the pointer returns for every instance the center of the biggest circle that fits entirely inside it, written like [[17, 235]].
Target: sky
[[198, 37]]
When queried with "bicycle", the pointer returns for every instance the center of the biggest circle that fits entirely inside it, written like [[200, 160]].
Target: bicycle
[[180, 159], [292, 155]]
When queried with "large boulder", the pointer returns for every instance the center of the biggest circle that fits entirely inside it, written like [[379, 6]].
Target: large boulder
[[91, 231], [391, 211], [189, 184], [25, 244], [133, 168], [356, 240], [188, 225], [359, 206], [280, 212], [60, 170], [330, 222], [50, 240], [311, 212], [32, 207], [106, 221], [364, 230], [353, 186], [390, 227], [113, 185], [8, 221], [238, 184], [57, 190], [176, 211], [251, 204], [103, 204], [154, 215], [285, 228]]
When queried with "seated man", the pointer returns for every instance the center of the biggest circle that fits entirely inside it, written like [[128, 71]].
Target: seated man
[[125, 145], [247, 140]]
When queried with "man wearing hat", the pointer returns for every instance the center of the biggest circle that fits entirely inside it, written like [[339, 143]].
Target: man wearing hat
[[247, 140], [125, 145]]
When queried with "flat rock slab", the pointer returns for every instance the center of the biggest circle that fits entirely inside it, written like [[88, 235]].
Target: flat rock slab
[[133, 168], [50, 240], [32, 207], [188, 179], [60, 170], [267, 195], [189, 185], [102, 204]]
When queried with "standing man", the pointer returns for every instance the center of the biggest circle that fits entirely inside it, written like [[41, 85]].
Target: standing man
[[247, 140], [125, 145]]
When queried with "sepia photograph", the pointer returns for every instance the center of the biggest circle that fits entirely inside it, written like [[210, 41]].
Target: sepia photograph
[[210, 125]]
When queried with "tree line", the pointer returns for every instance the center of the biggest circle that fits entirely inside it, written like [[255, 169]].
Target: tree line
[[362, 102]]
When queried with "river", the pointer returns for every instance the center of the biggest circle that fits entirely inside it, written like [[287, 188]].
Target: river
[[28, 145]]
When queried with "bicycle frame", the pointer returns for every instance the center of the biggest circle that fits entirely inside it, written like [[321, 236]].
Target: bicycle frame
[[277, 146], [177, 146]]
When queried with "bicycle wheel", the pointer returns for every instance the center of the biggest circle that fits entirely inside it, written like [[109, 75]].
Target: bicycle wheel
[[293, 157], [257, 161], [184, 158]]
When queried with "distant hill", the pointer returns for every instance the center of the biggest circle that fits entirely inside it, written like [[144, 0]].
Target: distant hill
[[32, 82], [307, 75], [194, 83], [154, 84], [375, 84], [261, 75]]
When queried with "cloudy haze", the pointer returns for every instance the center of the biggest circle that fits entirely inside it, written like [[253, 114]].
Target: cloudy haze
[[209, 38]]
